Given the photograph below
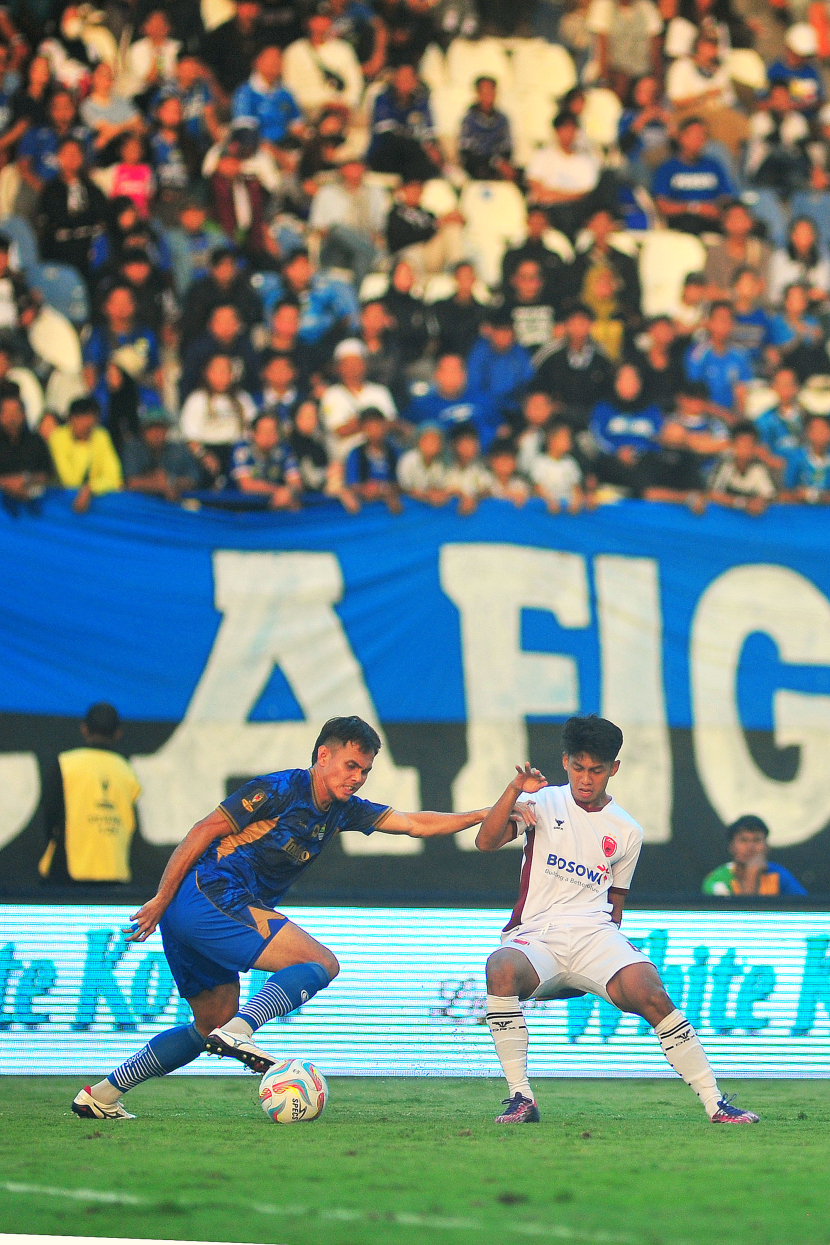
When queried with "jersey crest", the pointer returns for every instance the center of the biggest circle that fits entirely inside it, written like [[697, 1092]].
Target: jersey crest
[[609, 845]]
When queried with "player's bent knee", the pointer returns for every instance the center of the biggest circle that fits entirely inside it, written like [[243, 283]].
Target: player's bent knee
[[501, 975], [330, 964]]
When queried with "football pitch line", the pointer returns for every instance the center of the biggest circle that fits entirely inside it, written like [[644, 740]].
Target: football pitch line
[[437, 1223]]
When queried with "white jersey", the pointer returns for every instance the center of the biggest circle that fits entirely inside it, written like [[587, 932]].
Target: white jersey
[[571, 859]]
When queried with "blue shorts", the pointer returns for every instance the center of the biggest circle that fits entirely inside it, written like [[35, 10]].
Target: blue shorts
[[205, 947]]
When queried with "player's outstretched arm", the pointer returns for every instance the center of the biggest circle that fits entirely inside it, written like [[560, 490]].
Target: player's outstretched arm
[[430, 825], [497, 827], [214, 826]]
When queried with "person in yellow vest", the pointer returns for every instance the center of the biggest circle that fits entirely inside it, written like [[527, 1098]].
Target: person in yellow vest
[[90, 807], [84, 455]]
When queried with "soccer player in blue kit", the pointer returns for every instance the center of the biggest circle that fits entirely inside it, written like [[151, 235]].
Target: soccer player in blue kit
[[215, 906]]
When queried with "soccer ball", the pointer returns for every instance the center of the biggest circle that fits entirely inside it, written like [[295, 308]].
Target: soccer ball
[[293, 1092]]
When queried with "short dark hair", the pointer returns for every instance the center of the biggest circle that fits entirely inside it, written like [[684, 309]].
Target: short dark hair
[[372, 414], [746, 429], [484, 77], [102, 719], [9, 389], [748, 822], [266, 414], [352, 730], [565, 118], [593, 735], [720, 304], [84, 406]]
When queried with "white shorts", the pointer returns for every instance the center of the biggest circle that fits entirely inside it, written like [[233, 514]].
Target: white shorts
[[578, 956]]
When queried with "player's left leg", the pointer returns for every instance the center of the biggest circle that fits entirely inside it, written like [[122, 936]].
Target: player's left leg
[[164, 1053], [637, 988], [300, 967]]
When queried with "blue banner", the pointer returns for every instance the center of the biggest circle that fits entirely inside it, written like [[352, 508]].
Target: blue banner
[[228, 638]]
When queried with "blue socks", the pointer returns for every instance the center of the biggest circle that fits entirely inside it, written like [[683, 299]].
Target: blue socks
[[284, 992], [162, 1054]]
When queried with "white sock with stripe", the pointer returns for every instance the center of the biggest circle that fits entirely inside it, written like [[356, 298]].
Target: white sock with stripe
[[682, 1048], [510, 1037]]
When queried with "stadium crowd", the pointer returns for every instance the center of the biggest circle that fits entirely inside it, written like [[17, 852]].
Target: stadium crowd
[[262, 252]]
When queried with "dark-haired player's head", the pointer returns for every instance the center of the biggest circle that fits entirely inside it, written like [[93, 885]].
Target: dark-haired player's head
[[590, 747], [343, 756], [101, 723], [746, 839]]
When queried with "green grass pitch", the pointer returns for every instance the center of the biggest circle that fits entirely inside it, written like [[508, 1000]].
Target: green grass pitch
[[420, 1161]]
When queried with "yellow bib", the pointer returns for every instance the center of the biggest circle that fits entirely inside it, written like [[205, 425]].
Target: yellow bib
[[99, 791]]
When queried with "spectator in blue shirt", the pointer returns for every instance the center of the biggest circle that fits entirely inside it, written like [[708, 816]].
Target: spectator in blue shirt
[[328, 308], [624, 428], [498, 366], [264, 465], [752, 323], [265, 99], [403, 133], [371, 468], [192, 86], [37, 151], [175, 158], [796, 71], [122, 365], [725, 369], [781, 428], [452, 400], [807, 476], [485, 146], [796, 337], [691, 188]]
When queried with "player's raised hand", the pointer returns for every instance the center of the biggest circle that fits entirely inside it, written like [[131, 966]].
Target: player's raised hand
[[524, 815], [528, 780]]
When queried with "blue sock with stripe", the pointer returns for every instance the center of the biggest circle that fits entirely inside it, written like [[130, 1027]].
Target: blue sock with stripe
[[284, 992], [162, 1054]]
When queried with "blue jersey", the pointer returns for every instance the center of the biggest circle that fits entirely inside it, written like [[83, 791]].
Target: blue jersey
[[614, 429], [803, 81], [701, 182], [279, 830], [778, 434], [40, 146], [469, 407], [806, 470], [719, 372], [274, 108]]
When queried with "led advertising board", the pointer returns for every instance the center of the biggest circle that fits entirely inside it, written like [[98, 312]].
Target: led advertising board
[[75, 998]]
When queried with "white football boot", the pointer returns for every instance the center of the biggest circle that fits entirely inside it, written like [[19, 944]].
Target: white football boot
[[237, 1046], [89, 1108]]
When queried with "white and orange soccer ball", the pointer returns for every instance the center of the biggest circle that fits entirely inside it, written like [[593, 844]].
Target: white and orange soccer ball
[[293, 1092]]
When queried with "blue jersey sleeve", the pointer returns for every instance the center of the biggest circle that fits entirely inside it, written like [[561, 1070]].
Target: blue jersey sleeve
[[352, 470], [261, 799], [787, 884], [792, 472], [364, 816], [243, 104], [661, 184]]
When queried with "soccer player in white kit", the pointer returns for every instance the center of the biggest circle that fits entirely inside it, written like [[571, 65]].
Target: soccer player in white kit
[[563, 937]]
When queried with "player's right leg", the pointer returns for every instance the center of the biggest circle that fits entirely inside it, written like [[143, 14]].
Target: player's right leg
[[300, 967], [511, 977]]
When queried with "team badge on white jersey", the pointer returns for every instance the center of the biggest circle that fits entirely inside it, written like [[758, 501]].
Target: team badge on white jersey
[[571, 858]]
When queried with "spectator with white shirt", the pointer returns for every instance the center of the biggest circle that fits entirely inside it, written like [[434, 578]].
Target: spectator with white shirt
[[151, 61], [627, 36], [556, 475], [216, 417], [537, 413], [567, 182], [700, 85], [320, 69], [468, 478], [422, 471], [507, 483], [741, 481], [342, 404], [349, 215]]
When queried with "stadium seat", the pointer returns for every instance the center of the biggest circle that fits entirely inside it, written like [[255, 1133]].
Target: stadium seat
[[540, 67], [439, 197], [747, 68], [433, 68], [215, 12], [31, 393], [666, 259], [373, 286], [442, 285], [556, 241], [63, 288], [25, 255], [449, 104], [601, 117], [54, 339], [468, 59], [530, 115], [496, 218]]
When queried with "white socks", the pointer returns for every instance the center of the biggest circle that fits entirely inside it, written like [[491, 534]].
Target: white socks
[[682, 1048], [240, 1026], [509, 1032], [104, 1091]]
